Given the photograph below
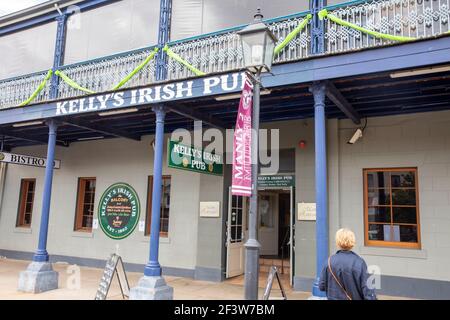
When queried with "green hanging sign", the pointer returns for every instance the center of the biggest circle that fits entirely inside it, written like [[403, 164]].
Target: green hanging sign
[[195, 159], [118, 211]]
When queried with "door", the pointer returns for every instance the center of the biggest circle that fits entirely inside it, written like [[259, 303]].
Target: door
[[236, 222], [268, 222]]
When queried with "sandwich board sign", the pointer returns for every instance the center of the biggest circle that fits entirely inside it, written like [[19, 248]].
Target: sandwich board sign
[[25, 160], [114, 265]]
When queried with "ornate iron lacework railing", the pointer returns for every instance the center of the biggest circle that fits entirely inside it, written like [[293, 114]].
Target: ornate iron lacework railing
[[407, 18], [16, 90], [221, 51], [103, 74]]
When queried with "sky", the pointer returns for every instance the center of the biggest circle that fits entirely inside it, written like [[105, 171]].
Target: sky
[[10, 6]]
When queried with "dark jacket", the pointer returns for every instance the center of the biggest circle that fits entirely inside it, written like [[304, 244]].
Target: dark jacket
[[351, 271]]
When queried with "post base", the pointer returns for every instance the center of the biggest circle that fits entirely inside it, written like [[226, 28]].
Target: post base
[[151, 288], [39, 277], [317, 298]]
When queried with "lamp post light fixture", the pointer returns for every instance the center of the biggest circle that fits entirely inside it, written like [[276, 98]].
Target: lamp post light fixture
[[258, 44]]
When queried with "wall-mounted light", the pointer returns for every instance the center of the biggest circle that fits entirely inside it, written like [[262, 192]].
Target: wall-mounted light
[[90, 138], [114, 112], [417, 72], [27, 124], [238, 95]]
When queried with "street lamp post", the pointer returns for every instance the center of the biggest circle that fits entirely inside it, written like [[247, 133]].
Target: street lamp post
[[258, 44]]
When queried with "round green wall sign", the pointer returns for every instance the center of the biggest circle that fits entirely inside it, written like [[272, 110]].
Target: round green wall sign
[[118, 211]]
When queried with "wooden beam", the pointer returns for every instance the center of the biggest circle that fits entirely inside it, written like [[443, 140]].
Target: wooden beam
[[339, 100], [102, 129]]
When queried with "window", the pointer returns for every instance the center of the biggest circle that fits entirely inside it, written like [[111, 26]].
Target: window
[[26, 198], [237, 218], [391, 207], [85, 204], [165, 206]]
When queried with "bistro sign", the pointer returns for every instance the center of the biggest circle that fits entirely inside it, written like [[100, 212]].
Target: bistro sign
[[27, 160], [119, 210], [190, 158]]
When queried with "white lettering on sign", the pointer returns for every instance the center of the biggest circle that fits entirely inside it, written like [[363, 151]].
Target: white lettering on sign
[[154, 94], [26, 160]]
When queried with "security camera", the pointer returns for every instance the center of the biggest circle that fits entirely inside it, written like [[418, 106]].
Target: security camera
[[356, 136]]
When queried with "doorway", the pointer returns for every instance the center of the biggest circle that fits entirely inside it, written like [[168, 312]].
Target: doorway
[[274, 227], [275, 233]]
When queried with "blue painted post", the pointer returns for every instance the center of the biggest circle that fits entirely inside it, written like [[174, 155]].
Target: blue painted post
[[153, 267], [58, 58], [318, 91], [41, 254], [317, 27], [165, 17]]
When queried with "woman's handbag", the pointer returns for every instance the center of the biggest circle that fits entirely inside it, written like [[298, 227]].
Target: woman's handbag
[[337, 281]]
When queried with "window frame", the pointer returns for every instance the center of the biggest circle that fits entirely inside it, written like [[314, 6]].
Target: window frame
[[78, 221], [148, 218], [391, 244], [22, 203]]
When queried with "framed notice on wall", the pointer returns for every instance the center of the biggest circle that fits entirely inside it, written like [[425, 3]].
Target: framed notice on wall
[[307, 211], [210, 209]]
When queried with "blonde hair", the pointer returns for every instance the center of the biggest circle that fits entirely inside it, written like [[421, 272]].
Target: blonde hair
[[345, 239]]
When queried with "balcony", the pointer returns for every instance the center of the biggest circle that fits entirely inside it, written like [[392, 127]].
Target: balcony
[[220, 51]]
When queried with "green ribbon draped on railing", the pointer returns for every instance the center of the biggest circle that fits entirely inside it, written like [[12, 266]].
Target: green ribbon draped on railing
[[324, 14], [292, 34], [75, 85], [136, 70], [177, 58], [71, 83], [38, 89]]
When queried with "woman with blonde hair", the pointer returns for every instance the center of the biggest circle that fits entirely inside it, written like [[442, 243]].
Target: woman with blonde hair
[[345, 276]]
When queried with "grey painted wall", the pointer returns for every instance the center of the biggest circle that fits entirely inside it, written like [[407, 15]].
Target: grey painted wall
[[420, 140], [209, 237], [110, 161]]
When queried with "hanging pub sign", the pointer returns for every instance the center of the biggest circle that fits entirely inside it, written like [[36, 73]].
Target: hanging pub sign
[[241, 184], [276, 181], [119, 211], [195, 159], [24, 160]]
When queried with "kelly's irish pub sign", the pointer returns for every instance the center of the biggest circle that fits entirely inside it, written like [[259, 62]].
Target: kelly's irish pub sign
[[118, 211], [190, 158]]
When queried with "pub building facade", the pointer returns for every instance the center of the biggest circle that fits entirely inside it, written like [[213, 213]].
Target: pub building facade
[[359, 92]]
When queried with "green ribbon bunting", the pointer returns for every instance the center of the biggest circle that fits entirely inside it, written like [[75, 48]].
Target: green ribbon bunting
[[136, 70], [38, 89], [324, 14], [292, 34], [72, 83], [177, 58]]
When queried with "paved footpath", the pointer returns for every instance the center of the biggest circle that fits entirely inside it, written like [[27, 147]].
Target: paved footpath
[[184, 288]]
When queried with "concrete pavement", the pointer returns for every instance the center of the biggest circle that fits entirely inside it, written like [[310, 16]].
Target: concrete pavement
[[84, 287]]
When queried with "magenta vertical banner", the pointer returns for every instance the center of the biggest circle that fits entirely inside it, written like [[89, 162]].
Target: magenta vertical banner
[[241, 184]]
